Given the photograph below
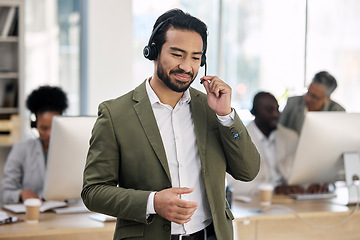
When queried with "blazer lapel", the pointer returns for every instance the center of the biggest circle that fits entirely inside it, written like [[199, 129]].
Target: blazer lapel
[[198, 112], [147, 119]]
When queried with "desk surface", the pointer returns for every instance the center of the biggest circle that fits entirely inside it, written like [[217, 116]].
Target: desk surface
[[251, 222], [295, 219], [58, 226], [283, 205]]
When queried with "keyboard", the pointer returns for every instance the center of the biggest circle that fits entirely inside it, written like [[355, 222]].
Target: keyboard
[[312, 196], [72, 209]]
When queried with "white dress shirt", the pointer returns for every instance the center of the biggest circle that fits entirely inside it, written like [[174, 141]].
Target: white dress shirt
[[269, 154], [276, 158], [177, 131]]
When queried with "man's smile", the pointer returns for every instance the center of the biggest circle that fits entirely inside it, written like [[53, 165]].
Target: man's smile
[[183, 77]]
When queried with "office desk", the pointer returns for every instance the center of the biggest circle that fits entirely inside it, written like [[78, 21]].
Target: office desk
[[58, 226], [253, 222]]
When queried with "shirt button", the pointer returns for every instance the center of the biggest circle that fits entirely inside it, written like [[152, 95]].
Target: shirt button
[[167, 227]]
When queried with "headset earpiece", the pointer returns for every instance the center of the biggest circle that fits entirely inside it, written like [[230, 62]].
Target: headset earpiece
[[203, 57], [33, 124], [33, 120], [150, 52]]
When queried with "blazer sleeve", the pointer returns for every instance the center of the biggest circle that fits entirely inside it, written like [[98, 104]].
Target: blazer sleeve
[[243, 159], [101, 192]]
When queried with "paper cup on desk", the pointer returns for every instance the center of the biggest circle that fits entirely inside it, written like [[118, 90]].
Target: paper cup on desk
[[32, 213], [266, 192]]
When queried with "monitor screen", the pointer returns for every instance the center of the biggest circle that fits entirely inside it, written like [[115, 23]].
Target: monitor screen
[[67, 153], [324, 137]]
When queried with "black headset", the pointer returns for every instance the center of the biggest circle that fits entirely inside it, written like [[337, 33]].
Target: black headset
[[253, 111], [33, 123], [150, 52]]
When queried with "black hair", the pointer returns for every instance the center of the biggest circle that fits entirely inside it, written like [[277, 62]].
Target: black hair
[[326, 80], [179, 20], [47, 98], [257, 98]]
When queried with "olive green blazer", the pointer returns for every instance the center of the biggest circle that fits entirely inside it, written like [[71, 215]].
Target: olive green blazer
[[126, 161]]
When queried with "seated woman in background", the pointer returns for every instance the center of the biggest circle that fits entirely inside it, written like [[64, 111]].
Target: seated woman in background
[[24, 170]]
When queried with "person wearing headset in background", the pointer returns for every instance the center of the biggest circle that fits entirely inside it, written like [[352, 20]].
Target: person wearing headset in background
[[277, 146], [317, 98], [158, 155], [275, 143], [24, 170]]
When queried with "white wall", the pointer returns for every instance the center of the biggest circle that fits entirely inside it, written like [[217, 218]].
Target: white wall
[[109, 50]]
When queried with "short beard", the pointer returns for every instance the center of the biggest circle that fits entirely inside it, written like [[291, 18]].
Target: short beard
[[175, 86]]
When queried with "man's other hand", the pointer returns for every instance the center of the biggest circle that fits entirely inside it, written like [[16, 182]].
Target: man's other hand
[[168, 205]]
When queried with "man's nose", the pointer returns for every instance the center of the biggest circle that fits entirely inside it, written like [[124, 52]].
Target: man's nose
[[186, 65]]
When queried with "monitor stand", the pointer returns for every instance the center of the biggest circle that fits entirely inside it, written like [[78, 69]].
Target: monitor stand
[[352, 175]]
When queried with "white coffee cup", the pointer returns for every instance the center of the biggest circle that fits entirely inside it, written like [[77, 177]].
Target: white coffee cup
[[32, 213], [266, 192]]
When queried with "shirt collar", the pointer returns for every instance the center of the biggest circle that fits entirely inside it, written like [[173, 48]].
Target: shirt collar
[[261, 136], [186, 97]]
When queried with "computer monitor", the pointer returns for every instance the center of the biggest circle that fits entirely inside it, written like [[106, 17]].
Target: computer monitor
[[324, 138], [69, 143]]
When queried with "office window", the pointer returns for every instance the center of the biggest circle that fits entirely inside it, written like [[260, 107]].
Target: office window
[[52, 47], [262, 48], [275, 46], [68, 19], [334, 45]]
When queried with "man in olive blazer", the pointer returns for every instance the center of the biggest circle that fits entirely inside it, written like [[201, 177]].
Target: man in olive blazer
[[118, 181], [130, 165]]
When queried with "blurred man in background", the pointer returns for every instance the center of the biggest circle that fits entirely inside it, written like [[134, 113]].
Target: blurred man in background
[[317, 98]]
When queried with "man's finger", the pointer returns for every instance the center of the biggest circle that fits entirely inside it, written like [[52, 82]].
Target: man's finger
[[183, 190], [187, 204]]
